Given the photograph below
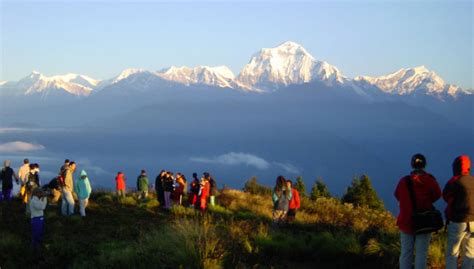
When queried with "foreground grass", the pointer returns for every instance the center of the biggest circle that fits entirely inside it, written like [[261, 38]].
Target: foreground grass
[[236, 233]]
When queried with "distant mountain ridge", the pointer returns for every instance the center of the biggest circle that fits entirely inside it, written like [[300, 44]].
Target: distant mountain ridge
[[268, 70]]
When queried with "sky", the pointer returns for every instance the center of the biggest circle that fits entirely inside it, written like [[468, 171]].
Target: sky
[[101, 38]]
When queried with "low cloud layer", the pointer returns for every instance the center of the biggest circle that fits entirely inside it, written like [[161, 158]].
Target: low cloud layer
[[288, 167], [239, 158], [236, 158], [19, 146]]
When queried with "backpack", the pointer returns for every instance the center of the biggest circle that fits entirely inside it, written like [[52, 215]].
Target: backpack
[[61, 181]]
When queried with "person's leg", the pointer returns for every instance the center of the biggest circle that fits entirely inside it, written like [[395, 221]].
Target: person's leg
[[63, 204], [203, 204], [69, 201], [167, 200], [422, 243], [456, 233], [406, 252], [8, 195], [37, 224], [468, 245], [82, 207]]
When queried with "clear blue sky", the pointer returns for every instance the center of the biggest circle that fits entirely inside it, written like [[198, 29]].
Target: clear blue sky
[[100, 39]]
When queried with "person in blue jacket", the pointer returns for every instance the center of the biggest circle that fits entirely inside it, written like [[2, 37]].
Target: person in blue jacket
[[281, 199], [83, 190]]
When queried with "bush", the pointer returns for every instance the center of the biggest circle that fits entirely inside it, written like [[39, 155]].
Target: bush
[[319, 189], [251, 186], [361, 193], [128, 200]]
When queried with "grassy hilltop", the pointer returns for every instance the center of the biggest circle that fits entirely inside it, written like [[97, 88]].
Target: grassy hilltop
[[237, 233]]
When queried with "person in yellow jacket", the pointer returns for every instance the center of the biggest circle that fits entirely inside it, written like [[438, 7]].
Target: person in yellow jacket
[[23, 175]]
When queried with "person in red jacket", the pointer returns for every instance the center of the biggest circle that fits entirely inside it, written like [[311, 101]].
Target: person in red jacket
[[426, 191], [204, 191], [120, 184], [459, 194], [294, 202]]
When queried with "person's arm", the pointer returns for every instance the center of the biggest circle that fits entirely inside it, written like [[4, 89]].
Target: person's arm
[[88, 187], [436, 191], [397, 190], [448, 191], [76, 187], [39, 203], [275, 197], [17, 179]]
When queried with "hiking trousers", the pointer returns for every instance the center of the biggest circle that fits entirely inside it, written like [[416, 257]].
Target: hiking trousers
[[82, 206], [37, 231], [67, 206], [414, 243], [460, 242]]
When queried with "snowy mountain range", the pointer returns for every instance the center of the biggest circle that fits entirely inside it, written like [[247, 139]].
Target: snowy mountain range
[[268, 70]]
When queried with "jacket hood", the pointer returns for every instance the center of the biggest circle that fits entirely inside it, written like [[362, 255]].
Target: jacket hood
[[83, 173], [462, 165], [120, 176]]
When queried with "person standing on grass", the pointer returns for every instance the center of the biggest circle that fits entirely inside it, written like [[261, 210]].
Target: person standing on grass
[[120, 185], [426, 191], [179, 188], [205, 188], [168, 189], [459, 195], [160, 194], [67, 207], [83, 190], [37, 205], [281, 199], [194, 191], [32, 182], [213, 191], [142, 185], [23, 175], [294, 204], [6, 177]]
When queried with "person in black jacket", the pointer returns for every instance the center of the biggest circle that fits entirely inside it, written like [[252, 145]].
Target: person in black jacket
[[160, 193], [459, 194], [6, 176], [168, 184], [194, 191]]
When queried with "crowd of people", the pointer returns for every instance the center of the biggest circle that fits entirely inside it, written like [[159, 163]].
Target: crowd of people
[[415, 192], [170, 189]]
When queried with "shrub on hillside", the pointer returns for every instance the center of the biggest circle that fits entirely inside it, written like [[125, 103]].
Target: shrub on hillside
[[361, 193], [319, 189], [251, 186]]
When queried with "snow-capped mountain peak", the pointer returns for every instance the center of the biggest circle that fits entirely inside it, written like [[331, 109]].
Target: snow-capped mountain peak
[[126, 73], [411, 80], [36, 82], [288, 63], [220, 76]]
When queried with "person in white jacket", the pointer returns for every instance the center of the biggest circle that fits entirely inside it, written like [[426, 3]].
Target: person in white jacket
[[37, 206]]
